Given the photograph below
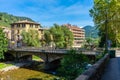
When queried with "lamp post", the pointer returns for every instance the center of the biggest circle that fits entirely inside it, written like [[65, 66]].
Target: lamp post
[[106, 34], [106, 27]]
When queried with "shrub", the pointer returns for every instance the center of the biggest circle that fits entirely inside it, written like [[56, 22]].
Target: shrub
[[72, 65]]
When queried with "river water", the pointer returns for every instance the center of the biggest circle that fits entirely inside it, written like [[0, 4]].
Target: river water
[[27, 74]]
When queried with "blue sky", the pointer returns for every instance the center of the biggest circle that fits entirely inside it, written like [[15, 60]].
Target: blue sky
[[48, 12]]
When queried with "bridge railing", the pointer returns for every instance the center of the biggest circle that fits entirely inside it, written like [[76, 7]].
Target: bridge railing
[[53, 50], [33, 49]]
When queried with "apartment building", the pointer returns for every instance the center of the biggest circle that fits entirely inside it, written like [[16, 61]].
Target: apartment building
[[78, 33], [25, 25]]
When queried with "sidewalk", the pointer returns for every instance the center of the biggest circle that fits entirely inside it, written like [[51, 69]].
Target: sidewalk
[[112, 71]]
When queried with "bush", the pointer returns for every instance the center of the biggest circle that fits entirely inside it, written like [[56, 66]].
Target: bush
[[72, 65]]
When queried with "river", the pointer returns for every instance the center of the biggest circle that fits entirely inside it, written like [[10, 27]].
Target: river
[[27, 74]]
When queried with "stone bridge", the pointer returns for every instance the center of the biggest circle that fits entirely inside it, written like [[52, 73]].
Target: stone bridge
[[48, 56]]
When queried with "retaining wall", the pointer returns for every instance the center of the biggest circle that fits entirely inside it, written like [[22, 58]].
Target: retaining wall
[[95, 72]]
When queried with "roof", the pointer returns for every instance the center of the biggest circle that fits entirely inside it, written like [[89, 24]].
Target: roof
[[26, 22], [73, 27]]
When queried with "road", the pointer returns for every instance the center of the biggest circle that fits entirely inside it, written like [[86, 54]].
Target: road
[[112, 70]]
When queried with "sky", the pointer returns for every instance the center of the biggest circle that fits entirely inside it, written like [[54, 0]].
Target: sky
[[48, 12]]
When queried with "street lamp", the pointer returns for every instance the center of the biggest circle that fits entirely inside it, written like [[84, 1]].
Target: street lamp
[[106, 35]]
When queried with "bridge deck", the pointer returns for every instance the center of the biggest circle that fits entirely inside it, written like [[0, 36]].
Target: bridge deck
[[55, 51], [112, 71]]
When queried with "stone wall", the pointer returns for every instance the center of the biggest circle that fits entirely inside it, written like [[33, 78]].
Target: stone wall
[[95, 72]]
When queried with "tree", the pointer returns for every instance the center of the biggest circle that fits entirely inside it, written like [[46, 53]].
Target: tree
[[91, 43], [106, 15], [68, 37], [3, 43], [47, 37], [61, 36], [6, 19], [31, 38], [58, 36], [72, 65]]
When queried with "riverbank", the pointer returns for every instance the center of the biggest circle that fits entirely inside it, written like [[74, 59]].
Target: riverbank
[[13, 66], [3, 65], [19, 71]]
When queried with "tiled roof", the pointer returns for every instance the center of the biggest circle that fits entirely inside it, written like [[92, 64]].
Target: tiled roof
[[73, 27], [25, 21]]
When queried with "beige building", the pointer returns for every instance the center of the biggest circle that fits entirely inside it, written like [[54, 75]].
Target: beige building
[[18, 27], [78, 33]]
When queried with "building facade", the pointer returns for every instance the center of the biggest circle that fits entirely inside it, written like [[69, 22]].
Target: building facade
[[18, 27], [78, 33]]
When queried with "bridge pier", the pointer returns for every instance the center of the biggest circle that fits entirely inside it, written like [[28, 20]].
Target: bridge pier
[[16, 57], [47, 63]]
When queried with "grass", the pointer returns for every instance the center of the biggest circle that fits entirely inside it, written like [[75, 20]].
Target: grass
[[36, 58], [3, 65]]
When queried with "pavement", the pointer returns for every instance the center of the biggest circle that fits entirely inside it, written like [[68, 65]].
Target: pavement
[[112, 70]]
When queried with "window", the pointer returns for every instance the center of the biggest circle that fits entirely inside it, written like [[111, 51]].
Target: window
[[23, 25], [31, 25], [18, 25], [36, 26], [13, 26]]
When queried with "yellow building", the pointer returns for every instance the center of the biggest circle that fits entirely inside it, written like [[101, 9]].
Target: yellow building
[[78, 33], [18, 27]]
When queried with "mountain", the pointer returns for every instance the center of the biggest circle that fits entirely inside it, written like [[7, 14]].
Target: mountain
[[6, 19], [90, 31]]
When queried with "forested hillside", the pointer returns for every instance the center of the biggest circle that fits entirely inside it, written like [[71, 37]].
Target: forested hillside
[[6, 19], [90, 31]]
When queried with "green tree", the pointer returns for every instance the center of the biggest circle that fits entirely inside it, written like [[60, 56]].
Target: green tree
[[68, 37], [106, 15], [6, 19], [91, 43], [62, 37], [3, 43], [47, 37], [72, 65], [58, 36], [31, 38]]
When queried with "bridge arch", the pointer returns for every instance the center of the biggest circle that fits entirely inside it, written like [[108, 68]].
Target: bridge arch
[[9, 57]]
